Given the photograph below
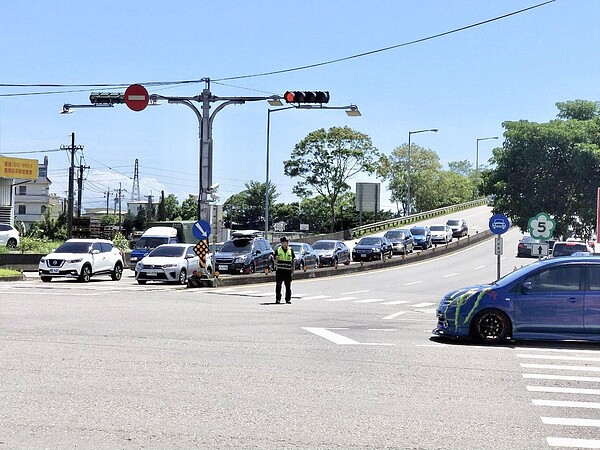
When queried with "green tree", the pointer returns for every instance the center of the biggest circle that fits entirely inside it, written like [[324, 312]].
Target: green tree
[[325, 160], [189, 208], [161, 212], [172, 209], [425, 168], [464, 167], [578, 110], [550, 167], [247, 208]]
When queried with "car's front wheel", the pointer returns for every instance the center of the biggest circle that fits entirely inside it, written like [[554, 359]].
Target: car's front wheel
[[182, 277], [86, 274], [117, 272], [12, 243], [490, 326]]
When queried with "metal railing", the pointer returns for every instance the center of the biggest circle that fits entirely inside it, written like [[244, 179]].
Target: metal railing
[[406, 220]]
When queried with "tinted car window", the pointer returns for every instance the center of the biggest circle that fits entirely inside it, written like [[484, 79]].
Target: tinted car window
[[324, 245], [418, 230], [190, 252], [438, 228], [556, 279], [370, 241], [4, 227], [96, 246], [167, 251], [237, 246], [564, 249], [74, 247], [106, 247]]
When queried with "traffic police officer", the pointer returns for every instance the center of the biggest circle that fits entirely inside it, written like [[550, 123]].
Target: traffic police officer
[[284, 262]]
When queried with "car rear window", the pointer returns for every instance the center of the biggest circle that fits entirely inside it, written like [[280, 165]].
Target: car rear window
[[568, 249], [437, 228]]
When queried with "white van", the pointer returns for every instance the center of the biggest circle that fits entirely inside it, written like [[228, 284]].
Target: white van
[[152, 238]]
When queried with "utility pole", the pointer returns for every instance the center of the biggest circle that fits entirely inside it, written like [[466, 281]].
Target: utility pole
[[80, 187], [72, 148], [107, 199], [120, 207]]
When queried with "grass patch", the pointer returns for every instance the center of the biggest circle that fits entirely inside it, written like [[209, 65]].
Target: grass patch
[[9, 273]]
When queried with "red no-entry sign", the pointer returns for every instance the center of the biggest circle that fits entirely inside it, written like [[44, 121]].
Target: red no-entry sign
[[136, 97]]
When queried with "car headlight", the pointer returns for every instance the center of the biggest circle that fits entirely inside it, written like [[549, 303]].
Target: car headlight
[[138, 266], [168, 266], [328, 255], [376, 250], [133, 259], [240, 259], [73, 261], [43, 261]]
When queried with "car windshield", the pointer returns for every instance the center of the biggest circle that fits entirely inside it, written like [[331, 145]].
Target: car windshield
[[324, 245], [452, 222], [369, 241], [417, 230], [568, 249], [168, 251], [438, 228], [237, 246], [394, 235], [150, 242], [296, 247], [74, 247]]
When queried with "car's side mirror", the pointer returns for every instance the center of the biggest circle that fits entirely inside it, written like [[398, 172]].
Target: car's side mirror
[[95, 251], [527, 287]]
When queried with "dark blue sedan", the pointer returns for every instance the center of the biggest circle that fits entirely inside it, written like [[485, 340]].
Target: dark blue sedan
[[551, 299], [421, 237]]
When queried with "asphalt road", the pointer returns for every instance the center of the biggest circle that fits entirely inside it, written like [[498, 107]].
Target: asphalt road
[[349, 364]]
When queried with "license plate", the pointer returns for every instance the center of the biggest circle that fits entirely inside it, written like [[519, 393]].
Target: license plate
[[53, 270], [223, 267], [151, 273]]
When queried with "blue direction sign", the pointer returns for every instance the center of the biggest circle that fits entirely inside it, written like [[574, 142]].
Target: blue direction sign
[[499, 224], [201, 230]]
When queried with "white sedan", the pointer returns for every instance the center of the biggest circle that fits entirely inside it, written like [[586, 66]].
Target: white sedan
[[169, 263], [441, 234]]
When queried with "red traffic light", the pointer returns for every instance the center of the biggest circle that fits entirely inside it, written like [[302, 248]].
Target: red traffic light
[[306, 96]]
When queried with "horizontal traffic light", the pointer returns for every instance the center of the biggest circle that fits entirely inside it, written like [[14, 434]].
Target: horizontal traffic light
[[106, 98], [306, 96]]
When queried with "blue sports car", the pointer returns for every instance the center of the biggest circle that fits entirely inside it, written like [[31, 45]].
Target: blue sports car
[[551, 299]]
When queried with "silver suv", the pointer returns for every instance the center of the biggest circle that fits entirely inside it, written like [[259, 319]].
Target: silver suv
[[81, 259]]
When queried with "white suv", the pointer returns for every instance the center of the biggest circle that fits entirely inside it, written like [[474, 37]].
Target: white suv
[[9, 236], [82, 258]]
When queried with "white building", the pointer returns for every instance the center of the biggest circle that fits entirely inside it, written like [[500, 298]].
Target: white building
[[32, 198]]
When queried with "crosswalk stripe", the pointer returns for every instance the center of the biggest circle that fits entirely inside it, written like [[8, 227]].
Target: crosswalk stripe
[[540, 376], [369, 300], [555, 350], [559, 358], [571, 421], [421, 305], [354, 292], [556, 367], [573, 443], [414, 282], [396, 302], [566, 404], [563, 390], [316, 297]]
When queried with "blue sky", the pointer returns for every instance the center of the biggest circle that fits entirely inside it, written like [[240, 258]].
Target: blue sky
[[465, 84]]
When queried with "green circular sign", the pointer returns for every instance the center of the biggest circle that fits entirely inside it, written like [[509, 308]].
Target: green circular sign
[[541, 226]]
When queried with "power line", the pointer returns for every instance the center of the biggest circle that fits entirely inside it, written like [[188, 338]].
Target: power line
[[263, 74]]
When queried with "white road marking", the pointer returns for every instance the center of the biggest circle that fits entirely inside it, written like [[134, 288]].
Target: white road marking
[[562, 390], [396, 302], [479, 267], [539, 376], [410, 284], [428, 311], [338, 338], [421, 305], [573, 443], [391, 316], [316, 297], [560, 358], [354, 292], [560, 350], [571, 422], [551, 366], [369, 300], [566, 404], [340, 299], [381, 329], [450, 275]]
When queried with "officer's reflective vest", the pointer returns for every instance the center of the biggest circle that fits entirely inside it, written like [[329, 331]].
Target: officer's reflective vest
[[284, 259]]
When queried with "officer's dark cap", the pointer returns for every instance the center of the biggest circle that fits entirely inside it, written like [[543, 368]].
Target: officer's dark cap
[[283, 239]]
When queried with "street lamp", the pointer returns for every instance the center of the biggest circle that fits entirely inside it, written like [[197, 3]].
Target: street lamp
[[351, 110], [408, 168], [477, 154]]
